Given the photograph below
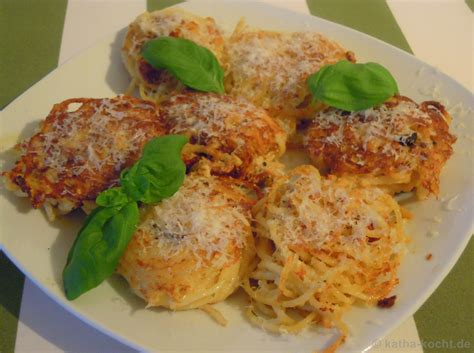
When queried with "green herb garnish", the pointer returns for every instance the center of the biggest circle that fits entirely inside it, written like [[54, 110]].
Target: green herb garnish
[[352, 87], [195, 66], [108, 229]]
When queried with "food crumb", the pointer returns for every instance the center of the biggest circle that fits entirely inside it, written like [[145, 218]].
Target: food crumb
[[449, 204], [387, 302], [376, 322], [428, 257]]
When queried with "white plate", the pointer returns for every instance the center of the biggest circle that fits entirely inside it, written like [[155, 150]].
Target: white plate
[[40, 248]]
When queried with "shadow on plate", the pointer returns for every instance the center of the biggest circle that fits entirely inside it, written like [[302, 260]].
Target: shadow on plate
[[9, 156], [124, 292], [405, 199], [117, 77], [62, 329], [68, 226]]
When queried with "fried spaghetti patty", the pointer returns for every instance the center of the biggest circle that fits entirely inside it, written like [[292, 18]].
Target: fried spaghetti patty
[[154, 84], [80, 150], [322, 244], [270, 69], [231, 135], [398, 145], [193, 248]]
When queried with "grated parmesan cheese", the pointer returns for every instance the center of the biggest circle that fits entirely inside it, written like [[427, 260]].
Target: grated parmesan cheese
[[207, 115], [80, 150], [448, 205], [437, 219], [398, 145], [283, 60], [157, 85], [315, 212], [231, 135], [91, 142], [271, 68], [375, 129], [201, 220], [176, 23]]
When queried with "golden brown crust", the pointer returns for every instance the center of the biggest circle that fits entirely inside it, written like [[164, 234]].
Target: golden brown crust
[[77, 154], [399, 145], [231, 135]]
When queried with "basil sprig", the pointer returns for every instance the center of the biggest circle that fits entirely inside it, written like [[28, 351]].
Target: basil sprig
[[195, 66], [352, 87], [108, 229]]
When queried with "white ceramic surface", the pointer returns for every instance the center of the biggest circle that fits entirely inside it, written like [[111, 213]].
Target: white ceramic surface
[[39, 248]]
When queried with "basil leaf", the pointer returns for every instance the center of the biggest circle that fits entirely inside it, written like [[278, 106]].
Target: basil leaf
[[195, 66], [159, 173], [112, 197], [352, 87], [98, 247]]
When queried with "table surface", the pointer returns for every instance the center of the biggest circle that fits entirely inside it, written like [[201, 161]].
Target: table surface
[[75, 25]]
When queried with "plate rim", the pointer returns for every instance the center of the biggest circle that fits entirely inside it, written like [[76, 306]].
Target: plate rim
[[410, 309]]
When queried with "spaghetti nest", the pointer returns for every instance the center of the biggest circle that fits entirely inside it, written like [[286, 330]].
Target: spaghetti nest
[[322, 245], [157, 85], [270, 69], [192, 249]]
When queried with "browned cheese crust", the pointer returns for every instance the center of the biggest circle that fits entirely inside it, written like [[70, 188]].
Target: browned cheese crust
[[81, 148], [398, 145], [231, 135]]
